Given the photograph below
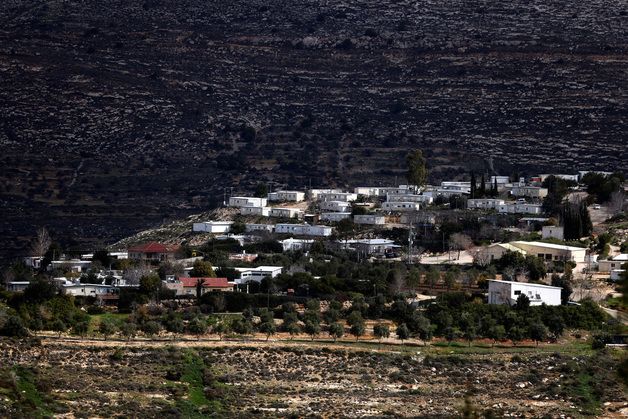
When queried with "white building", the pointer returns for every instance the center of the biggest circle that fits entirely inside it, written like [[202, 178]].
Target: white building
[[89, 290], [216, 227], [554, 232], [72, 265], [501, 180], [382, 191], [257, 274], [282, 212], [263, 211], [613, 263], [334, 217], [552, 252], [304, 230], [573, 178], [507, 292], [529, 191], [291, 245], [371, 219], [33, 261], [292, 196], [17, 286], [369, 246], [455, 187], [247, 201], [251, 228], [315, 193], [424, 199], [519, 208], [547, 251], [367, 190], [337, 206], [338, 196], [484, 203], [401, 206]]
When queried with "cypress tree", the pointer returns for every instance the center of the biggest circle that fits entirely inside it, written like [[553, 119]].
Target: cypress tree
[[483, 186], [474, 185]]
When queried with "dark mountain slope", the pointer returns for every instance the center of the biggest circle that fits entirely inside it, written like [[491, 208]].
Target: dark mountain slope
[[116, 114]]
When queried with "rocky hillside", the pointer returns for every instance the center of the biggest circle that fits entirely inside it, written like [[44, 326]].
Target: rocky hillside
[[115, 115]]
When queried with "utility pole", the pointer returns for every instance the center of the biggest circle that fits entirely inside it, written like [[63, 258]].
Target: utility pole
[[410, 238]]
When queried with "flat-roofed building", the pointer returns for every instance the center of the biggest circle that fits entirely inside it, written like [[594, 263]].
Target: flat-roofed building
[[283, 212], [291, 196], [215, 227], [261, 211], [507, 292], [247, 201], [334, 216], [370, 219]]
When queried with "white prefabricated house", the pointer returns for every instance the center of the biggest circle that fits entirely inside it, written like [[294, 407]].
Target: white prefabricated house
[[72, 265], [338, 196], [384, 190], [529, 191], [251, 228], [337, 206], [263, 211], [573, 178], [315, 193], [424, 199], [455, 187], [554, 232], [291, 245], [247, 201], [369, 246], [367, 190], [484, 203], [286, 212], [334, 216], [87, 290], [507, 292], [216, 227], [613, 263], [401, 206], [371, 219], [519, 208], [292, 196], [304, 230]]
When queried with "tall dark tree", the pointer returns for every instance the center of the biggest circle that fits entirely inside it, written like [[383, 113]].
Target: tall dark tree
[[417, 170], [482, 191], [576, 220], [474, 185]]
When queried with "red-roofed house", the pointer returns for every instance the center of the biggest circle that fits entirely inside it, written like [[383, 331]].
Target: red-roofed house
[[153, 252], [187, 286]]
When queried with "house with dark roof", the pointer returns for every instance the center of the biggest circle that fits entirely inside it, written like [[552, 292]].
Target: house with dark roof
[[153, 252], [187, 286]]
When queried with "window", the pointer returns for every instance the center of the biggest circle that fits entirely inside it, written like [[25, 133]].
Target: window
[[518, 292]]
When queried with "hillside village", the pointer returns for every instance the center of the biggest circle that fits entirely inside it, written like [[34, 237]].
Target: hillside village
[[396, 224]]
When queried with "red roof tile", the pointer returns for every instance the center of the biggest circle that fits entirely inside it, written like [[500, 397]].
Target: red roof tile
[[154, 247], [207, 282]]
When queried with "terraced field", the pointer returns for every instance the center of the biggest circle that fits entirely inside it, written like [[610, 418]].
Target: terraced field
[[86, 379]]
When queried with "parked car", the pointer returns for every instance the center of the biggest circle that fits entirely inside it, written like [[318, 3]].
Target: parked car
[[596, 206]]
